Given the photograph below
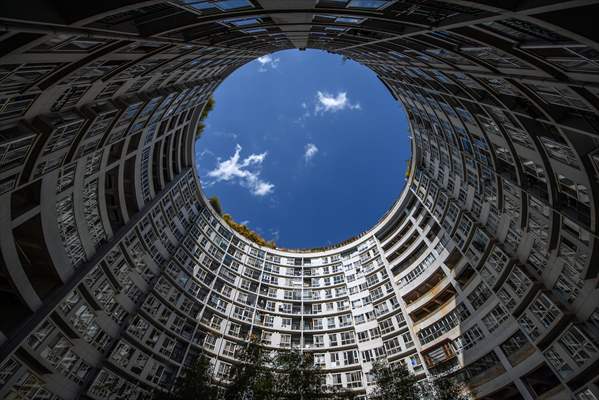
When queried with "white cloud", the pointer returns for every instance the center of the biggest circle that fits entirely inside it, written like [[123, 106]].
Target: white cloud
[[205, 153], [225, 134], [327, 102], [310, 151], [300, 120], [245, 172], [275, 234], [267, 61]]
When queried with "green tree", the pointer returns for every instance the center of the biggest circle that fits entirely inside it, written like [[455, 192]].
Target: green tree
[[196, 384], [339, 394], [243, 230], [448, 389], [297, 377], [395, 382], [209, 106], [215, 203], [252, 378]]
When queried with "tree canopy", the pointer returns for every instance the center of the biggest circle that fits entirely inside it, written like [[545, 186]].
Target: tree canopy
[[395, 382], [246, 232], [263, 374], [279, 375], [252, 378], [242, 229], [197, 383], [209, 106], [215, 203]]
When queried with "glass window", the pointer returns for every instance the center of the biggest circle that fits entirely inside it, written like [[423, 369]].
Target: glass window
[[371, 4]]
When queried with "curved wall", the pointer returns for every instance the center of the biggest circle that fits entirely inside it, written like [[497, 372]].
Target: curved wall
[[114, 274]]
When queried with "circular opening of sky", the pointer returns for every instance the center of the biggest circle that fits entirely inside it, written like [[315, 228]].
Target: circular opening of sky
[[305, 148]]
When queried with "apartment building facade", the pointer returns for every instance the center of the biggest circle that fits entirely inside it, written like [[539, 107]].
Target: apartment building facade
[[116, 273]]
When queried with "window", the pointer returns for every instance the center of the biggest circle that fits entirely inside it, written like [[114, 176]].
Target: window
[[333, 339], [266, 338], [448, 322], [229, 349], [494, 265], [407, 340], [375, 333], [354, 379], [317, 324], [369, 4], [386, 326], [416, 363], [223, 370], [347, 338], [578, 346], [350, 357], [331, 322], [544, 310], [495, 318], [30, 386], [223, 5], [392, 346], [345, 320], [511, 346], [8, 369], [518, 281], [558, 363], [586, 394], [334, 359], [285, 340], [318, 341], [269, 321], [319, 360], [210, 342], [367, 356], [337, 382], [539, 316], [362, 336], [479, 295], [42, 333]]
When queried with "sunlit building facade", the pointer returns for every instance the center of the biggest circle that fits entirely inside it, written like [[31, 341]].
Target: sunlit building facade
[[115, 273]]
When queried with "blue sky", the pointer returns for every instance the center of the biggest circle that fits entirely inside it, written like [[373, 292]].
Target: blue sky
[[304, 147]]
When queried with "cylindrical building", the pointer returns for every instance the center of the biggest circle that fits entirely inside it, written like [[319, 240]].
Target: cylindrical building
[[115, 273]]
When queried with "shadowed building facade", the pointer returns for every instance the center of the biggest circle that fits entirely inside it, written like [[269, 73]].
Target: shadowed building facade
[[115, 274]]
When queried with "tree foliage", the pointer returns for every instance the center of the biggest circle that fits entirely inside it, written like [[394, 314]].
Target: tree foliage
[[280, 375], [252, 378], [209, 106], [215, 203], [244, 231], [291, 375], [196, 384], [448, 389], [297, 378], [395, 382]]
